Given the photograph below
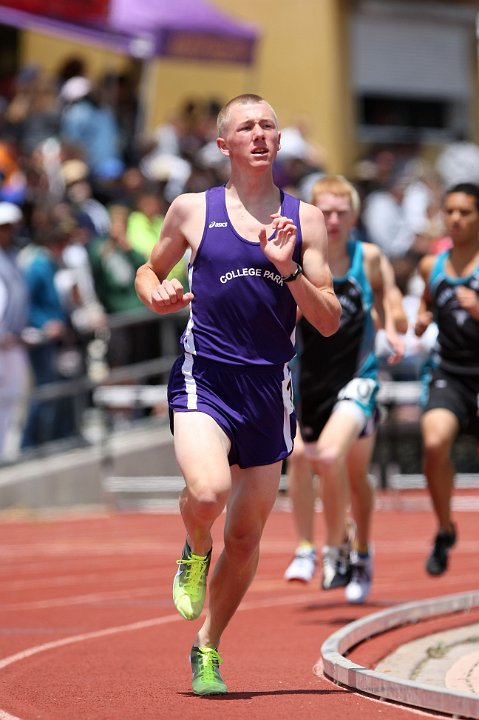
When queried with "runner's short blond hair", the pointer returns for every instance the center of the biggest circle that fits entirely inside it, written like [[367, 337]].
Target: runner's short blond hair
[[336, 185], [245, 99]]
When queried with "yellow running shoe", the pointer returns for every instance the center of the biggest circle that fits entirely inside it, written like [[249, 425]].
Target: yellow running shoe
[[205, 664], [189, 585]]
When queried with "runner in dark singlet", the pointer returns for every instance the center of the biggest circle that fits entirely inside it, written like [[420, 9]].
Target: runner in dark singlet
[[337, 390], [451, 399]]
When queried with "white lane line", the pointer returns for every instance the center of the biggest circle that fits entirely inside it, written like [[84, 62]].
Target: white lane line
[[80, 599], [73, 639], [141, 625], [132, 627]]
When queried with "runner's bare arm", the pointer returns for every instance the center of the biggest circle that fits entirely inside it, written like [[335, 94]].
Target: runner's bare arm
[[313, 288], [152, 286], [381, 283], [394, 296], [424, 315]]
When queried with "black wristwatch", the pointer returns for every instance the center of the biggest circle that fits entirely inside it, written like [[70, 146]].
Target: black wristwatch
[[294, 275]]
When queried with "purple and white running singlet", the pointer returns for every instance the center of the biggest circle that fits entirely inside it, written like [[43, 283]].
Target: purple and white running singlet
[[242, 313], [239, 340]]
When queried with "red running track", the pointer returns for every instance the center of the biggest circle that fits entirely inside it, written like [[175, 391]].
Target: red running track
[[88, 629]]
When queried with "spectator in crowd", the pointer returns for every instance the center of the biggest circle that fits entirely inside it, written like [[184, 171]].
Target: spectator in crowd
[[416, 350], [14, 365], [42, 118], [116, 92], [458, 162], [385, 220], [19, 102], [114, 263], [145, 221], [79, 193], [72, 66], [300, 163], [12, 178], [422, 205], [47, 332], [90, 128]]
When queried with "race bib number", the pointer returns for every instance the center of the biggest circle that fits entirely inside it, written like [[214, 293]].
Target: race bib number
[[287, 386], [362, 390]]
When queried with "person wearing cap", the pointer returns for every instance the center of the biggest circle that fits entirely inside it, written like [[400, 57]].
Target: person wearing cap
[[90, 127], [90, 212], [14, 301], [48, 323]]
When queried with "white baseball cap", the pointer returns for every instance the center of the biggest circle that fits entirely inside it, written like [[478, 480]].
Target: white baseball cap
[[75, 88], [9, 213]]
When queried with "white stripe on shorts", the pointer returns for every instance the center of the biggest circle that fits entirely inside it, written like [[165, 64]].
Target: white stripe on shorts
[[190, 382], [287, 402]]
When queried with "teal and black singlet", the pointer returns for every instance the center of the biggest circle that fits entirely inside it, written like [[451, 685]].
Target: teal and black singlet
[[457, 349], [326, 365]]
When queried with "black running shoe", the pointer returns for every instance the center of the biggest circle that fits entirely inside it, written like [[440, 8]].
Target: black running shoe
[[336, 566], [437, 561]]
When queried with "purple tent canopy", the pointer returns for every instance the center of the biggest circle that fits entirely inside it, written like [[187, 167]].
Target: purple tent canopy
[[182, 29]]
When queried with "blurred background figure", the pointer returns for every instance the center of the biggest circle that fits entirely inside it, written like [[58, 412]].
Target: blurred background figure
[[12, 177], [48, 332], [14, 306], [78, 192], [91, 128], [300, 162], [145, 221], [114, 263], [458, 162], [385, 219]]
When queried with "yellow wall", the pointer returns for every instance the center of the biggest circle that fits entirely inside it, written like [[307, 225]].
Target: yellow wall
[[49, 52], [303, 67], [169, 83]]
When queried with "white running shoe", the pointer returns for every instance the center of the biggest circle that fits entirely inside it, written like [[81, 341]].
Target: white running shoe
[[303, 566], [357, 590], [336, 566]]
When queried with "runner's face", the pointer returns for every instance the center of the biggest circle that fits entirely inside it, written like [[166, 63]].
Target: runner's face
[[339, 216], [461, 218], [251, 135]]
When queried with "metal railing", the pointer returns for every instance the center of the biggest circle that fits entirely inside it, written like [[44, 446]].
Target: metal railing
[[82, 389]]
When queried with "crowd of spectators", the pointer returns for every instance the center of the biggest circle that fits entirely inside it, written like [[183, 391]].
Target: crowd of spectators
[[82, 199]]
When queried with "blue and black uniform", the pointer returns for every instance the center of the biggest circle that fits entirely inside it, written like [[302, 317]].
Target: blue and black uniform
[[451, 379], [239, 339], [343, 366]]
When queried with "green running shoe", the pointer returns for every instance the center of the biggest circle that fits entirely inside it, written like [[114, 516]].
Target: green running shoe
[[205, 664], [189, 585]]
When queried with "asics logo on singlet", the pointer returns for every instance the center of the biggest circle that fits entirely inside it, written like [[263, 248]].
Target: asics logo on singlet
[[214, 223]]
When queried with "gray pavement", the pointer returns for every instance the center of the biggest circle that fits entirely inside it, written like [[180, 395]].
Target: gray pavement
[[448, 659]]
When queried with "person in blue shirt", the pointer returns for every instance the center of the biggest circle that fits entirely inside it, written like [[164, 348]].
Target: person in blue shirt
[[47, 327]]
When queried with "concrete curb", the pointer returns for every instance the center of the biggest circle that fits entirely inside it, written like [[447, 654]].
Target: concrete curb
[[344, 672], [77, 477]]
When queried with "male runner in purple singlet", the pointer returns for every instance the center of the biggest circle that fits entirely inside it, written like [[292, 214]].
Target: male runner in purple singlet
[[256, 254]]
